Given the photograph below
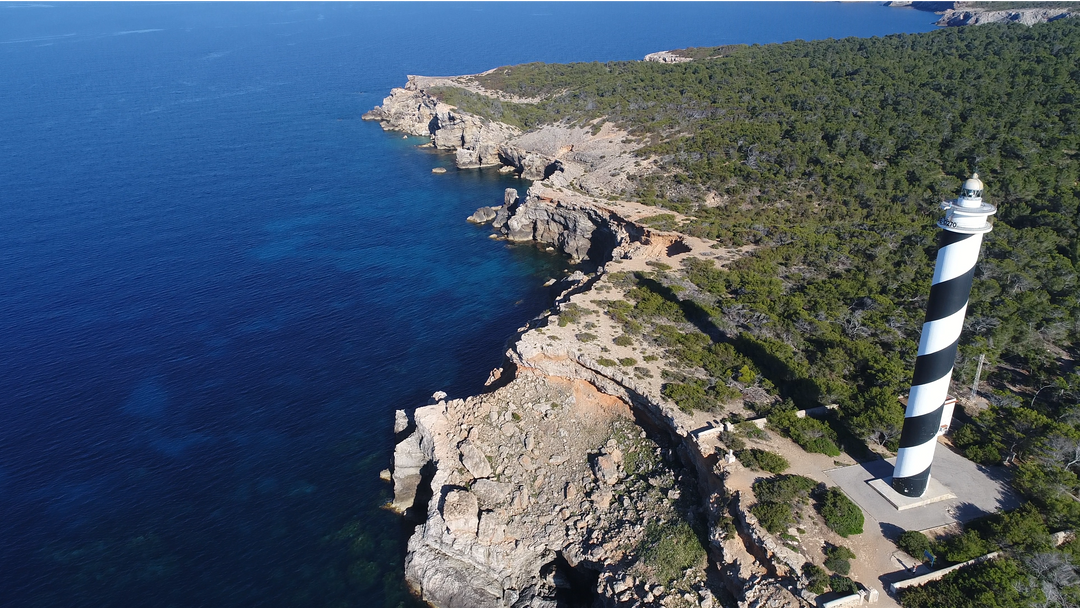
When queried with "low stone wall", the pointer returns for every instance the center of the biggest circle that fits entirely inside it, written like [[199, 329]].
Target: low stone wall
[[937, 574]]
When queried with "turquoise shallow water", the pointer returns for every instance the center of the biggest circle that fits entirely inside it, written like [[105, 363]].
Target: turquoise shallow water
[[218, 283]]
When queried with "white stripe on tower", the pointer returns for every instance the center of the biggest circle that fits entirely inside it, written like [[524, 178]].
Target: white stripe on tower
[[964, 224]]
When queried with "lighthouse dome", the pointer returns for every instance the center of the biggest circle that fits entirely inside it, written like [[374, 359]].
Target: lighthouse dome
[[973, 187]]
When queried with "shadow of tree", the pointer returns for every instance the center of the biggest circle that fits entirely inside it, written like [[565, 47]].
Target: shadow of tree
[[891, 532]]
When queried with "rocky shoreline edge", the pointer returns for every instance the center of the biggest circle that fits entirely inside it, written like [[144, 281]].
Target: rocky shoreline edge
[[1026, 15], [555, 487]]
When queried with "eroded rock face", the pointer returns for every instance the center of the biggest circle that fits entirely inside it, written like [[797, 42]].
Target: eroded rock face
[[475, 461], [483, 215], [1024, 16], [474, 140], [552, 514], [546, 486], [409, 459], [582, 231], [461, 513], [596, 159]]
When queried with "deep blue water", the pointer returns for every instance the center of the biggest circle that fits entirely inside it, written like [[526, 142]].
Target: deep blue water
[[217, 283]]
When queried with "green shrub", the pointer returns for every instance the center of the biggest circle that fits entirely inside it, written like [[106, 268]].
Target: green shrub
[[695, 394], [839, 566], [763, 460], [964, 546], [812, 435], [773, 516], [585, 337], [821, 445], [841, 515], [571, 313], [752, 430], [732, 441], [623, 340], [627, 361], [837, 559], [778, 499], [607, 362], [997, 583], [842, 585], [670, 548], [914, 543], [784, 489], [817, 580]]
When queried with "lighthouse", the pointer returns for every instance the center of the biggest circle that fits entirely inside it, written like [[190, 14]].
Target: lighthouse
[[963, 227]]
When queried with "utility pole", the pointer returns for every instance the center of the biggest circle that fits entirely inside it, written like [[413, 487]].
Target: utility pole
[[978, 374]]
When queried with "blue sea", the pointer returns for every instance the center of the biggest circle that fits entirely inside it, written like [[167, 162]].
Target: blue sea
[[217, 283]]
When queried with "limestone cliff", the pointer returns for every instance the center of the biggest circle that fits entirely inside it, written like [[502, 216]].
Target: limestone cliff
[[1024, 16], [555, 487], [547, 490], [475, 141], [596, 159]]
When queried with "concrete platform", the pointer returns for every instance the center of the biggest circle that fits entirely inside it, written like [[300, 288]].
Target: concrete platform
[[935, 492], [976, 489]]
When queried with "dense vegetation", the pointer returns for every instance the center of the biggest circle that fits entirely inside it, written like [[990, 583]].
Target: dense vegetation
[[762, 460], [1029, 572], [779, 500], [831, 157]]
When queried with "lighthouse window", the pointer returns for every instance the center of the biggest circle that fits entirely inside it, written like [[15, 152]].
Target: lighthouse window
[[972, 193]]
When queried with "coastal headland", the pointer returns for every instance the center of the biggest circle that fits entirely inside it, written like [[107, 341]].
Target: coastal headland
[[766, 271], [547, 490]]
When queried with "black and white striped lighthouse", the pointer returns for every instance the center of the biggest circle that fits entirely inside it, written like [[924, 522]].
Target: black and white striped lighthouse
[[964, 224]]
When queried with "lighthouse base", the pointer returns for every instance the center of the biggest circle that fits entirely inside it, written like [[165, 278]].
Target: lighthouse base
[[979, 489], [935, 492]]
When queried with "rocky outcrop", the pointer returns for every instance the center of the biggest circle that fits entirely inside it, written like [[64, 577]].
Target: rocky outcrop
[[1024, 16], [539, 494], [535, 499], [574, 225], [580, 231], [474, 140], [542, 491], [595, 159], [484, 215], [411, 454], [666, 57]]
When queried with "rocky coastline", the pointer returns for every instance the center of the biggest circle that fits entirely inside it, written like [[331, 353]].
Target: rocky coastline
[[549, 489], [1025, 16]]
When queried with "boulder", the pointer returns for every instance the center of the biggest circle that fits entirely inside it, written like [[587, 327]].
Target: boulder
[[605, 469], [483, 215], [401, 421], [461, 513], [491, 494], [409, 458], [475, 461]]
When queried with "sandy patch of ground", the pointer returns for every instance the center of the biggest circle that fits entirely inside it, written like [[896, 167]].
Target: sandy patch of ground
[[874, 554]]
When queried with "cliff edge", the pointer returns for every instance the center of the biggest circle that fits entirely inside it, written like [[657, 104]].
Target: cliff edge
[[573, 481], [1029, 15]]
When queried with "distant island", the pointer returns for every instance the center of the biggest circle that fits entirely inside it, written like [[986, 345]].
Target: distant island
[[755, 232]]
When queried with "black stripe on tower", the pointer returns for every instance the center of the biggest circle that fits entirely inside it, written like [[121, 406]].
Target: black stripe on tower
[[933, 366], [947, 297], [912, 485], [920, 429], [948, 238]]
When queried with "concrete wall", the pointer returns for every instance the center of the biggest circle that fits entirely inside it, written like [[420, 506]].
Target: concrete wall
[[937, 574]]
